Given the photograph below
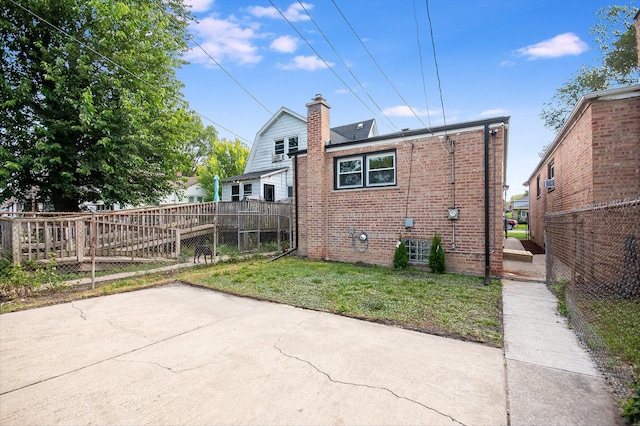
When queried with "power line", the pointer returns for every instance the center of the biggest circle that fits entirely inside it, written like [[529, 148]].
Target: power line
[[376, 63], [86, 46], [424, 84], [435, 60], [322, 59], [230, 76], [347, 66]]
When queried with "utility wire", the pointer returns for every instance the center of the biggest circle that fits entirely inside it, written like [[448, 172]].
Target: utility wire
[[435, 60], [424, 84], [347, 66], [322, 59], [377, 65], [230, 76], [86, 46]]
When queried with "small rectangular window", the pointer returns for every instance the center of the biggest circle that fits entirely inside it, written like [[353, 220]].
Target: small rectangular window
[[247, 190], [279, 147], [293, 144], [350, 173], [538, 186], [418, 250], [290, 191], [235, 193], [381, 170]]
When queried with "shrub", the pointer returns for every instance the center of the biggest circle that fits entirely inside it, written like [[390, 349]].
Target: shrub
[[401, 256], [436, 255], [631, 407]]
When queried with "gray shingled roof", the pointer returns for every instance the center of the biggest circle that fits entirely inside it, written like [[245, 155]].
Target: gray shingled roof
[[352, 132], [252, 175]]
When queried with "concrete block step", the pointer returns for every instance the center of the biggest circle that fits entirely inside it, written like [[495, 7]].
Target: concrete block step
[[517, 255]]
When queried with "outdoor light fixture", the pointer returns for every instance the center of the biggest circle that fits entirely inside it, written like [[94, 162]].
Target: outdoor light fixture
[[452, 213]]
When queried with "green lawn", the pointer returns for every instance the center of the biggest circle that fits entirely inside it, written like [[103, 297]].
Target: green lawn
[[520, 232], [451, 305]]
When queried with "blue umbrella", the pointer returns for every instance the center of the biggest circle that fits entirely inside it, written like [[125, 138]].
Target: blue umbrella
[[216, 185]]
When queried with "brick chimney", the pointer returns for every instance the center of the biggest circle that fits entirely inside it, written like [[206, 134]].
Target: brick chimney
[[318, 183]]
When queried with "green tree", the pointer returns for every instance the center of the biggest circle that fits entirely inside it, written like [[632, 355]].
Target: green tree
[[229, 158], [615, 34], [200, 148], [92, 108]]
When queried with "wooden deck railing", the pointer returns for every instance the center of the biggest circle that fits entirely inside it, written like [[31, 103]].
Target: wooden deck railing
[[146, 232]]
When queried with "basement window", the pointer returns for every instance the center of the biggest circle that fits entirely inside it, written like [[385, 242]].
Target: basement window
[[418, 250], [365, 170]]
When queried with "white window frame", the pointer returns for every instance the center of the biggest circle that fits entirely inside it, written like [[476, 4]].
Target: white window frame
[[293, 147], [365, 170], [278, 146], [246, 194], [338, 173], [393, 168]]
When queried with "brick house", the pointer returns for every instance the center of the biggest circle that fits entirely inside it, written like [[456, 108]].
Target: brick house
[[354, 199], [595, 158]]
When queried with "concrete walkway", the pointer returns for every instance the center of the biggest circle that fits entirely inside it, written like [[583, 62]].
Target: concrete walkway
[[551, 378]]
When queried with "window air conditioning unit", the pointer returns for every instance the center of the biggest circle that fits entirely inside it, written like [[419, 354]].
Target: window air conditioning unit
[[277, 157], [551, 183]]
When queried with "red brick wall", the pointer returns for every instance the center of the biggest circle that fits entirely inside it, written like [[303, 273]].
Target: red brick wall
[[381, 212], [616, 150], [597, 161]]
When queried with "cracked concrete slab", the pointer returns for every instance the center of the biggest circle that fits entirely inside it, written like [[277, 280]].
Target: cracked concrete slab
[[182, 355]]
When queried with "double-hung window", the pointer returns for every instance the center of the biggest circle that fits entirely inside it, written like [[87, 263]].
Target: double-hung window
[[279, 147], [293, 144], [366, 170], [247, 190]]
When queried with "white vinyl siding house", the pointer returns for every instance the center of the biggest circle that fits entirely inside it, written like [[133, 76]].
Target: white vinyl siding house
[[269, 168]]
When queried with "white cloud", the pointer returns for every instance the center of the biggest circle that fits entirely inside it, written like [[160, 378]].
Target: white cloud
[[199, 5], [493, 112], [284, 44], [307, 63], [405, 111], [294, 12], [224, 40], [507, 64], [560, 45]]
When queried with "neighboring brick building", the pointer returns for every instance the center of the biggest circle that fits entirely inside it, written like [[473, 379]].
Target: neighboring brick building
[[595, 158], [354, 199]]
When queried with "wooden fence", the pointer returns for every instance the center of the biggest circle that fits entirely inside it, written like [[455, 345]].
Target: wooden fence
[[153, 232]]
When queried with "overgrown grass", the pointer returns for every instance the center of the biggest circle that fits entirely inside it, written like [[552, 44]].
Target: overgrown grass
[[446, 304], [617, 322], [451, 305]]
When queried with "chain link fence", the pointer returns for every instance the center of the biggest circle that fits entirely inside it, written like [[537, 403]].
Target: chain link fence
[[593, 268], [40, 251]]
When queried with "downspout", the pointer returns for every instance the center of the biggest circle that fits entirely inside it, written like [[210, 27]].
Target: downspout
[[487, 262], [295, 187]]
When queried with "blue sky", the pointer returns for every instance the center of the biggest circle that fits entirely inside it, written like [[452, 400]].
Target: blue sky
[[494, 58]]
